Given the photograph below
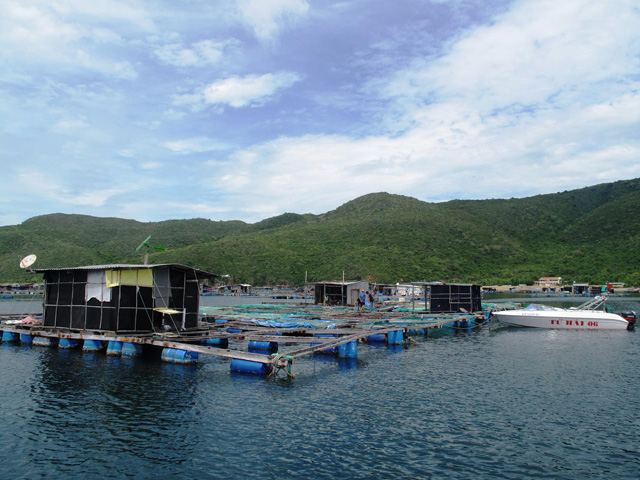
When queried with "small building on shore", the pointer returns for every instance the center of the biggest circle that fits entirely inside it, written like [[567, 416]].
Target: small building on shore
[[578, 289], [123, 298], [235, 289], [339, 292], [549, 283], [498, 288], [240, 289], [21, 288]]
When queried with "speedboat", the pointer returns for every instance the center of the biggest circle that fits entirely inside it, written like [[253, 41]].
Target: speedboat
[[594, 314]]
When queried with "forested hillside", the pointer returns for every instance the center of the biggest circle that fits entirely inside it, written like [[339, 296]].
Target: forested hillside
[[586, 235]]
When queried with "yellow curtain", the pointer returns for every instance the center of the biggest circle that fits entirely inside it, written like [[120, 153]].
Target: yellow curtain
[[141, 277]]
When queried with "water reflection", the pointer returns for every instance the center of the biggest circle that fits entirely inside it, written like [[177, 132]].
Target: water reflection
[[90, 404]]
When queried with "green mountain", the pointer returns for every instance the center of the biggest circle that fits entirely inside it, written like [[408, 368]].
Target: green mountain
[[587, 235]]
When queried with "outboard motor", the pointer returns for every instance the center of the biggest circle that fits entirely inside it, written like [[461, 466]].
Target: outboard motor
[[631, 318]]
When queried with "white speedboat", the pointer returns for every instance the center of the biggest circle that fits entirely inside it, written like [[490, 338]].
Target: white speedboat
[[589, 315]]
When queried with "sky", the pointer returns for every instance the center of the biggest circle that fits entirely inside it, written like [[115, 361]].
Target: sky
[[243, 110]]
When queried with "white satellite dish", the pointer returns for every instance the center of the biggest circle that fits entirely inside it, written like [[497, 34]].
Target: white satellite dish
[[27, 261]]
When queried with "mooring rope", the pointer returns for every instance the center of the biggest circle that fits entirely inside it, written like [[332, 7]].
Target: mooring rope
[[288, 368]]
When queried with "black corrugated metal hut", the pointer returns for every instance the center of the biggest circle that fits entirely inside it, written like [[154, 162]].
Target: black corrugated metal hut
[[452, 297], [122, 298]]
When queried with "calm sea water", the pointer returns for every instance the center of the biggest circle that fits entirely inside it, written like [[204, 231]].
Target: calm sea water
[[491, 402]]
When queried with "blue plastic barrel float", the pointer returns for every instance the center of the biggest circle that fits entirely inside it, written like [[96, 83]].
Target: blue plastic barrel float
[[68, 343], [114, 348], [44, 341], [10, 336], [131, 350], [26, 339], [92, 345], [395, 337], [216, 342], [176, 355], [464, 322], [348, 350], [185, 357], [377, 337], [247, 366], [259, 345]]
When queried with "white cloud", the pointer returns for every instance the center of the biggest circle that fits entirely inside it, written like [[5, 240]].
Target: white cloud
[[249, 90], [194, 145], [538, 54], [58, 190], [150, 165], [539, 98], [107, 11], [194, 99], [266, 18], [199, 54], [106, 36], [209, 51], [543, 99], [123, 70], [69, 34], [38, 32], [127, 153], [314, 170], [177, 54], [69, 125], [199, 209]]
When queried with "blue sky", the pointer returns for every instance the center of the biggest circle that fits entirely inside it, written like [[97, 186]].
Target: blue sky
[[243, 110]]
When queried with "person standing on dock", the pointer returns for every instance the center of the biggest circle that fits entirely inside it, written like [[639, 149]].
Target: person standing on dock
[[370, 300], [362, 298]]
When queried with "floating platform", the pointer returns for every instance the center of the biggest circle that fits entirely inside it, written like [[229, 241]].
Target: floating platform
[[258, 339]]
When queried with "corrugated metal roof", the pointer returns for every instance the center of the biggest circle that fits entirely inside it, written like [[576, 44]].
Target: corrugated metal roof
[[124, 266]]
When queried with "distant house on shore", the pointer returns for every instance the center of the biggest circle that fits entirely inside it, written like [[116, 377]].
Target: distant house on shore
[[498, 288], [241, 289], [577, 288], [235, 289], [549, 282]]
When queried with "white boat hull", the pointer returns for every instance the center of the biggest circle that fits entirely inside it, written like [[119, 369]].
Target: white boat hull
[[561, 318]]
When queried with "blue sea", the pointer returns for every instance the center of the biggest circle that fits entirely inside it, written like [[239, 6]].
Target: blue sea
[[489, 402]]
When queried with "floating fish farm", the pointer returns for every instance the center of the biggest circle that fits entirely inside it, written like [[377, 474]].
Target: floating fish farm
[[125, 310], [261, 340]]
